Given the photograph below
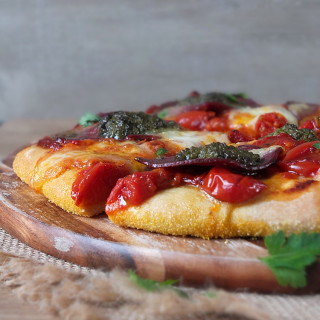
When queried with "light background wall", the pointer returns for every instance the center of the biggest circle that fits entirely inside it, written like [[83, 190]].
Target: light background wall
[[62, 58]]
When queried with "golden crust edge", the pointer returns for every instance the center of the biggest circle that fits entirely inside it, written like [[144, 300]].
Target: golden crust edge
[[223, 220], [57, 190]]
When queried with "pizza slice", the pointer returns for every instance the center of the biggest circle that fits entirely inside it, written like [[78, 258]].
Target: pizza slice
[[77, 169], [212, 165]]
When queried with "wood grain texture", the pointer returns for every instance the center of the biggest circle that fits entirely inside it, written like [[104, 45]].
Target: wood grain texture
[[98, 243]]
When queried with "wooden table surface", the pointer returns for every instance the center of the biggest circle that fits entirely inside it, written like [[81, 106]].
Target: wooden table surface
[[13, 135]]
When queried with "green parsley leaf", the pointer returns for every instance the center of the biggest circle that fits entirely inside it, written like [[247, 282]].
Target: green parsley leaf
[[231, 97], [288, 257], [161, 151], [162, 114], [88, 119], [316, 145], [152, 285], [242, 95]]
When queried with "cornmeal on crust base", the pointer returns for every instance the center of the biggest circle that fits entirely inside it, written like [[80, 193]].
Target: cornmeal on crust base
[[189, 211]]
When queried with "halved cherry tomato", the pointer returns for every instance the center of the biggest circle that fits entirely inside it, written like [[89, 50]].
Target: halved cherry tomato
[[237, 136], [303, 160], [93, 185], [220, 123], [132, 190], [137, 187], [194, 120], [283, 139], [313, 124], [268, 122], [231, 187]]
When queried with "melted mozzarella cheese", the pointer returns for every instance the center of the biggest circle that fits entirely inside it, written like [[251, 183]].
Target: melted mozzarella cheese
[[187, 139], [297, 108], [261, 152], [54, 164], [249, 116]]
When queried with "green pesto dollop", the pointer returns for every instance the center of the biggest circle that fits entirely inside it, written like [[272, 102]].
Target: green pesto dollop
[[118, 125], [224, 98], [295, 133], [219, 150]]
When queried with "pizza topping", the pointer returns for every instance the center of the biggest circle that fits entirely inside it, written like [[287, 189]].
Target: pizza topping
[[220, 183], [136, 188], [237, 136], [219, 154], [161, 151], [119, 125], [76, 136], [219, 150], [195, 120], [283, 139], [268, 122], [295, 133], [214, 101], [303, 160], [231, 187], [228, 100], [302, 110], [93, 185], [313, 124], [88, 119]]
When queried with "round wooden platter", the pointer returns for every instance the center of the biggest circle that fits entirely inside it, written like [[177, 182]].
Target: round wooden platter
[[97, 243]]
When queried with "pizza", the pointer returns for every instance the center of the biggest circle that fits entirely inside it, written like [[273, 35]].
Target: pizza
[[212, 165]]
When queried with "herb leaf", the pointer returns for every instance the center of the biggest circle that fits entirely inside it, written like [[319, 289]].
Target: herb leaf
[[316, 145], [152, 285], [88, 119], [161, 151], [290, 256]]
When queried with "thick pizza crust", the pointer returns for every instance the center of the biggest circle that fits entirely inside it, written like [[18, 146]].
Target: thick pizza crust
[[25, 162], [57, 190], [189, 211]]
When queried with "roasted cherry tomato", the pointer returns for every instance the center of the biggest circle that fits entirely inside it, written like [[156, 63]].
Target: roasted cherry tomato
[[303, 160], [269, 122], [313, 124], [283, 139], [237, 136], [93, 185], [194, 120], [231, 187], [132, 190], [220, 123], [137, 187]]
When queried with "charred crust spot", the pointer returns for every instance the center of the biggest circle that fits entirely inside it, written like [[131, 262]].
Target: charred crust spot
[[299, 186]]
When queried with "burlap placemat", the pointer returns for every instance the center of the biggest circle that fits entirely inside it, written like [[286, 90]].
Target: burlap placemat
[[70, 291]]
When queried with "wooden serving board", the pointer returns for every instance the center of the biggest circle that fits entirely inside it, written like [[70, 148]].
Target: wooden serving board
[[98, 243]]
